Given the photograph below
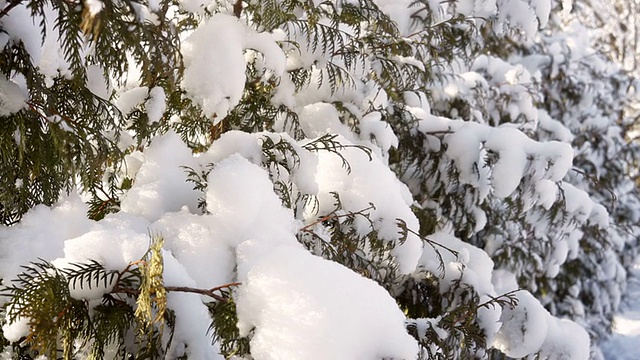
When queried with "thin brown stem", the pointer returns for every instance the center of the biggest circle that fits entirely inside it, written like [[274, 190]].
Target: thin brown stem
[[207, 292], [331, 216]]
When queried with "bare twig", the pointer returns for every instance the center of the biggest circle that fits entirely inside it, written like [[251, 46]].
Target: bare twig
[[208, 292], [333, 215]]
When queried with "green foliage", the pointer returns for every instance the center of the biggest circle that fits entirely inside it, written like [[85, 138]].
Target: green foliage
[[56, 135], [455, 332], [199, 181], [328, 143], [601, 165], [67, 137], [225, 331], [41, 294], [132, 306], [62, 131], [255, 112], [368, 255]]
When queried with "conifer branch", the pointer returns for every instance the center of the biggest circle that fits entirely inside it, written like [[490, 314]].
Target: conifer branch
[[431, 242], [334, 216], [119, 289], [8, 7]]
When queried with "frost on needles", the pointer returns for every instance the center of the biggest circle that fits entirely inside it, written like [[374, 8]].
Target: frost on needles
[[308, 179]]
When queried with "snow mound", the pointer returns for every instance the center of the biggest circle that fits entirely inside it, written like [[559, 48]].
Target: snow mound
[[299, 311]]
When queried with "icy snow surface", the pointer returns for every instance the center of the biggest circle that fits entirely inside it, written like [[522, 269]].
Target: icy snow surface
[[625, 342]]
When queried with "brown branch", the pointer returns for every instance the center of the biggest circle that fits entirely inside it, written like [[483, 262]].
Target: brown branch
[[207, 292], [441, 132], [237, 8], [185, 289], [104, 205], [307, 228], [226, 286], [41, 111], [36, 110], [116, 287], [331, 216]]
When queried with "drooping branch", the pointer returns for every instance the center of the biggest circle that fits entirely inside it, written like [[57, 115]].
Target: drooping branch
[[10, 5]]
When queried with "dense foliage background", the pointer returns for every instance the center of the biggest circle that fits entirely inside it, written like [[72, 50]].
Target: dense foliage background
[[308, 179]]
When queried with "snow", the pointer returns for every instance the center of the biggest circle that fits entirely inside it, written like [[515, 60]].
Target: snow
[[321, 118], [217, 82], [94, 6], [113, 248], [565, 340], [192, 316], [12, 98], [16, 330], [96, 82], [295, 303], [524, 327], [322, 173], [460, 261], [514, 151], [476, 263], [273, 56], [21, 27], [132, 163], [257, 248], [528, 329], [46, 228], [363, 186], [240, 187], [373, 128], [131, 98], [193, 5], [578, 202], [623, 344], [517, 13], [196, 240], [47, 53], [156, 104], [161, 173]]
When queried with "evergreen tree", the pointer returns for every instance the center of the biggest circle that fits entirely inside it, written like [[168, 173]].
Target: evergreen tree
[[310, 179]]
